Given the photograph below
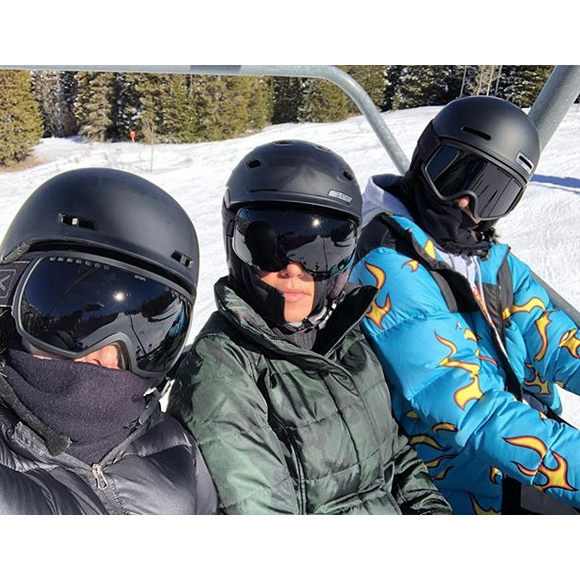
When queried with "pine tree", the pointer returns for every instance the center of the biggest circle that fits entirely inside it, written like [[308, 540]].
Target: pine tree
[[324, 102], [522, 84], [46, 90], [393, 75], [234, 111], [68, 96], [261, 105], [372, 80], [483, 80], [288, 98], [426, 85], [20, 118], [151, 91], [126, 106], [94, 105], [179, 123], [55, 93]]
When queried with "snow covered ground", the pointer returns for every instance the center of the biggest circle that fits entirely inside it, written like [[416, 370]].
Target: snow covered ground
[[543, 230]]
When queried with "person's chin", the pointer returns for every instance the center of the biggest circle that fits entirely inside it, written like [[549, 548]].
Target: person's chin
[[296, 311]]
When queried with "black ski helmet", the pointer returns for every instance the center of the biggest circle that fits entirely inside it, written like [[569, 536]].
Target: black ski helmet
[[109, 212], [494, 127], [280, 174], [295, 172]]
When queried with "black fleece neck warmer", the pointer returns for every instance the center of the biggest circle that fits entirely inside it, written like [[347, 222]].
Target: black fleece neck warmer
[[451, 227], [93, 406]]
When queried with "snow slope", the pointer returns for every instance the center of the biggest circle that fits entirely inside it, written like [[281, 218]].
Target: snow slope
[[543, 230]]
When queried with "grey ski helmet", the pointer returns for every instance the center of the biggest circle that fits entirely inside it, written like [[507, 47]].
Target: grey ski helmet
[[295, 172], [483, 146]]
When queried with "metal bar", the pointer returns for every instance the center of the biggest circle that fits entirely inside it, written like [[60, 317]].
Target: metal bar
[[554, 100], [463, 81], [552, 104], [558, 300], [327, 72]]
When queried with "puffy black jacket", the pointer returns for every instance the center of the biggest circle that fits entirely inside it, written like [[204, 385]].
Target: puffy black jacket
[[156, 470]]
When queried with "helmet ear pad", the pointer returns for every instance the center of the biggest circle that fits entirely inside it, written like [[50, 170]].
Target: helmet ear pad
[[7, 329]]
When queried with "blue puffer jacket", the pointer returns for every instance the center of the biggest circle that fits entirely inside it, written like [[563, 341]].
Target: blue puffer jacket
[[449, 384]]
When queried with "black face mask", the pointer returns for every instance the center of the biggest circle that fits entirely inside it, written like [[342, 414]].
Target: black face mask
[[95, 407], [451, 227]]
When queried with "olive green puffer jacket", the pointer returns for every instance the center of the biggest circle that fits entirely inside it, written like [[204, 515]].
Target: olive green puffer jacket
[[287, 430]]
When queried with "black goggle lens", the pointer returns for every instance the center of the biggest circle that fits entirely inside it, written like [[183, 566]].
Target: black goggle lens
[[269, 240], [73, 305]]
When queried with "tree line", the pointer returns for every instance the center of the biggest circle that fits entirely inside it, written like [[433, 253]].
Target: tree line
[[165, 108]]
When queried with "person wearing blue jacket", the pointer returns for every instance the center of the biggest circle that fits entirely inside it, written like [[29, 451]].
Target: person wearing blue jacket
[[472, 346]]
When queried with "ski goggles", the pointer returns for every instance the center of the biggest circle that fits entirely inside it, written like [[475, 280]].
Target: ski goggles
[[452, 172], [269, 240], [71, 304]]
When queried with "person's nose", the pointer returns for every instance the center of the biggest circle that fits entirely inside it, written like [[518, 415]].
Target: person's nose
[[293, 270], [107, 356], [462, 202]]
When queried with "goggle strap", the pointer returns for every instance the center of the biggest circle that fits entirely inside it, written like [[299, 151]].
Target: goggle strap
[[428, 143], [10, 274]]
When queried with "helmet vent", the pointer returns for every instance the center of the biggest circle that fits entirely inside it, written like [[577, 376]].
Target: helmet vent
[[522, 160], [283, 143], [476, 132], [77, 222], [348, 175], [254, 163], [183, 260]]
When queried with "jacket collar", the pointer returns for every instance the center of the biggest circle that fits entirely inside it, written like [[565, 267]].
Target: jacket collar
[[38, 441], [348, 314]]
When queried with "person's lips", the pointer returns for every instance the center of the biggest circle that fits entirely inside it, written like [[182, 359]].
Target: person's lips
[[293, 295]]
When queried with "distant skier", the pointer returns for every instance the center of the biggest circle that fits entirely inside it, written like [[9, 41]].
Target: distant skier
[[281, 389], [96, 296], [463, 331]]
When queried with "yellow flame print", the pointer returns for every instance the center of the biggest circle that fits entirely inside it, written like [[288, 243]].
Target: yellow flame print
[[444, 427], [430, 249], [479, 511], [442, 474], [438, 460], [377, 313], [542, 326], [470, 392], [556, 477], [426, 440], [468, 334], [571, 343], [528, 306], [537, 382]]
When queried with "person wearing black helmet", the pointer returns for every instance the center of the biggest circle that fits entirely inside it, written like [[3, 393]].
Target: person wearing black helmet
[[93, 319], [470, 342], [282, 391]]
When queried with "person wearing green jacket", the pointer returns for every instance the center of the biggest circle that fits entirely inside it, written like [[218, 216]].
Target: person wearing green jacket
[[281, 390]]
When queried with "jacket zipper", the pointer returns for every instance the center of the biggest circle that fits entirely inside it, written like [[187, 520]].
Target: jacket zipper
[[99, 476]]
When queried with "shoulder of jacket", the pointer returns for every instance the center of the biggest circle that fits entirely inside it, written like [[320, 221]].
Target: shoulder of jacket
[[162, 434]]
